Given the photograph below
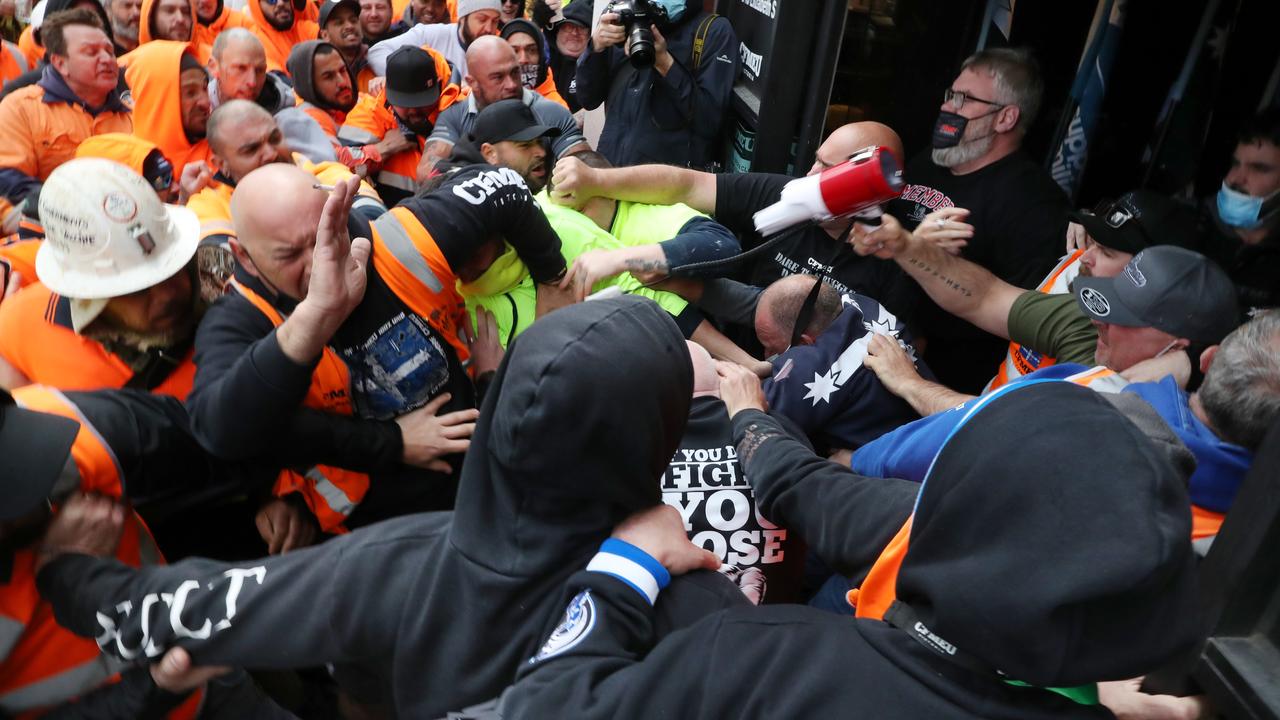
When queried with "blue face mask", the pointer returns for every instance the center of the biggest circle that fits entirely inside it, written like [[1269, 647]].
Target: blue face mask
[[1243, 211], [675, 8]]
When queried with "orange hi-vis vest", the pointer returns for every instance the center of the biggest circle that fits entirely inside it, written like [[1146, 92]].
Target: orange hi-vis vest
[[408, 260], [42, 664], [1021, 360], [39, 343], [18, 255], [372, 118], [331, 493]]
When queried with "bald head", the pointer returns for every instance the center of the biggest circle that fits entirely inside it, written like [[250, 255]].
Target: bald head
[[848, 139], [275, 210], [236, 38], [488, 50], [230, 115], [493, 72], [779, 308]]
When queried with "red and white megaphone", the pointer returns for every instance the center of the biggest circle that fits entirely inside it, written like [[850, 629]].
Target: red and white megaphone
[[870, 177]]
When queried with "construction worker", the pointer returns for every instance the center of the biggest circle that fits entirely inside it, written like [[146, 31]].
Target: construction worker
[[238, 65], [277, 25], [340, 27], [75, 98], [118, 302], [170, 89], [378, 368], [167, 20], [416, 92], [243, 137], [55, 446], [212, 17]]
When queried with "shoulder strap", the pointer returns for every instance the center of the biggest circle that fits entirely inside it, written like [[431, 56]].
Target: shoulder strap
[[700, 39]]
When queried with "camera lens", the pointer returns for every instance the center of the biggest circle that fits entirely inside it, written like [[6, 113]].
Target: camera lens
[[640, 46]]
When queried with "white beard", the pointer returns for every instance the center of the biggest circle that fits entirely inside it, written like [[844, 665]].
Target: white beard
[[965, 152]]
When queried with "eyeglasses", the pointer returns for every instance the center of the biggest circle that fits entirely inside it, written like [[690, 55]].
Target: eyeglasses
[[1117, 213], [958, 98]]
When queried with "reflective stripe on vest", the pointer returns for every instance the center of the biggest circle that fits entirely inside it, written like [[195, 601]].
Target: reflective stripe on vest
[[396, 239], [1099, 379], [408, 260], [351, 133], [1021, 361], [330, 493], [397, 181], [19, 59]]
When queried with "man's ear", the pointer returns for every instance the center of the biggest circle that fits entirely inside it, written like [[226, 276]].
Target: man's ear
[[324, 35], [1008, 117], [1206, 358], [806, 339], [489, 153], [242, 257], [59, 63]]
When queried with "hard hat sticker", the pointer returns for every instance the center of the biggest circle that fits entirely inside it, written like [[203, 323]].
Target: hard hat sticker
[[119, 207], [143, 237]]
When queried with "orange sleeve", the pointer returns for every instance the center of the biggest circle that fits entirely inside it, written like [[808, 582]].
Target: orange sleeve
[[18, 151]]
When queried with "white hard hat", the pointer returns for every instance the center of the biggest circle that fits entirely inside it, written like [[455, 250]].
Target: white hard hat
[[106, 232], [37, 16]]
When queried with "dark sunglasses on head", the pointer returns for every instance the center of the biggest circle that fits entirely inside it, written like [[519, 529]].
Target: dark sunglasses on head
[[1118, 213]]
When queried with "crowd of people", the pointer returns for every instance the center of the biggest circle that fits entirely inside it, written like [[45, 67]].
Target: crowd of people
[[343, 376]]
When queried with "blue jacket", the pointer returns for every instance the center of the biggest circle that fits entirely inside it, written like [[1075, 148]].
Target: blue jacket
[[650, 118], [1220, 466], [824, 388]]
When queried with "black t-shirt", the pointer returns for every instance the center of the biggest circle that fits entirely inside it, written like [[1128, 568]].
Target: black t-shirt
[[398, 362], [706, 484], [1019, 217], [809, 251]]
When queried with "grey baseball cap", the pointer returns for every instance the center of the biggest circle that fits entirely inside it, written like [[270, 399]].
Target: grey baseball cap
[[1169, 288]]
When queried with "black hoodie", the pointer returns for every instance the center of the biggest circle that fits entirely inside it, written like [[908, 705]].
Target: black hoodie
[[301, 63], [435, 611], [1057, 567], [520, 25]]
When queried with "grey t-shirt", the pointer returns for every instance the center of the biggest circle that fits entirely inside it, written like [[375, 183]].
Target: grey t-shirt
[[458, 119]]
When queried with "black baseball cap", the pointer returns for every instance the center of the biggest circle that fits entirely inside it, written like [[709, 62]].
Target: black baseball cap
[[509, 120], [330, 5], [1169, 288], [1138, 220], [34, 446], [578, 13], [411, 78]]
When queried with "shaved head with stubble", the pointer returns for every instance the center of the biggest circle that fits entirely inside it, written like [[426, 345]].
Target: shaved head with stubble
[[275, 210]]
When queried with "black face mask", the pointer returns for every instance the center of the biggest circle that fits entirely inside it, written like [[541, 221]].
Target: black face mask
[[949, 128]]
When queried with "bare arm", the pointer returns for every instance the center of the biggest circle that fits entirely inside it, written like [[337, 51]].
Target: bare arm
[[722, 348], [574, 182], [962, 288], [890, 362]]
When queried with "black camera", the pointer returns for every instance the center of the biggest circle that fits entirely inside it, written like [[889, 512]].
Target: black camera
[[637, 16]]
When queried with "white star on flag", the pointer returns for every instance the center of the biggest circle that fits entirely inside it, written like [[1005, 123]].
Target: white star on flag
[[821, 388]]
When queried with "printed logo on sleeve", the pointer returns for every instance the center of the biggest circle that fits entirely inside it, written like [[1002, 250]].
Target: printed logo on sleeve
[[579, 619]]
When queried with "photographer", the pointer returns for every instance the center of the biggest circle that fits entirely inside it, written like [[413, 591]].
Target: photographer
[[664, 101]]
